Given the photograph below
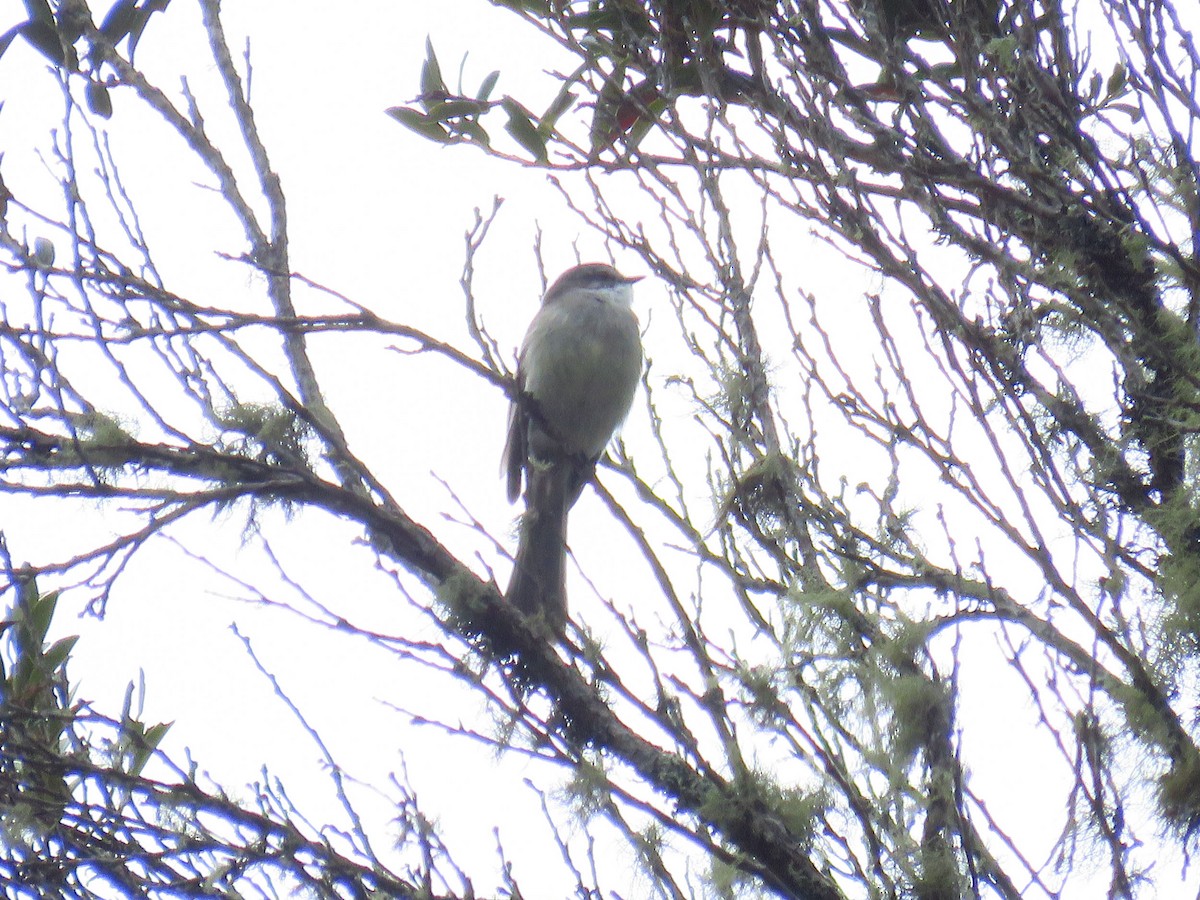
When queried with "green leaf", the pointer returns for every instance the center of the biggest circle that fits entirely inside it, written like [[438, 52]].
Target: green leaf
[[485, 89], [145, 745], [604, 18], [1134, 112], [43, 253], [456, 108], [141, 19], [475, 131], [564, 101], [44, 38], [98, 100], [127, 706], [73, 20], [39, 11], [537, 7], [155, 733], [56, 656], [433, 86], [1117, 81], [119, 21], [9, 36], [523, 131], [417, 121], [29, 593], [1003, 50], [40, 614]]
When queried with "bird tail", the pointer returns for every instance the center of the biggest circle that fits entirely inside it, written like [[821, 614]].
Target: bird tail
[[538, 585]]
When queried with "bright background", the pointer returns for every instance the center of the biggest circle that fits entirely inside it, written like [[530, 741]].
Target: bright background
[[377, 214]]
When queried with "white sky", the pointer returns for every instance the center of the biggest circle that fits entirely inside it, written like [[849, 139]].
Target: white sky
[[377, 214]]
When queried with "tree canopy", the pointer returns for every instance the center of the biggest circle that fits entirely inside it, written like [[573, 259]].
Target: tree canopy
[[889, 576]]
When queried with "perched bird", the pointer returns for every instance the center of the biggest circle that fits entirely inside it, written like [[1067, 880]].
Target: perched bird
[[578, 369]]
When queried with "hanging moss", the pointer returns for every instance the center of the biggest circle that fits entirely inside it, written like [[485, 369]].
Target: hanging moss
[[1179, 792], [920, 710], [267, 433]]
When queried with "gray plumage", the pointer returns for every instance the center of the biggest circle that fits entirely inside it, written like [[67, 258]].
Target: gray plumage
[[579, 367]]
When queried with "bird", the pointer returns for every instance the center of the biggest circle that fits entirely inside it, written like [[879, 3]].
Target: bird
[[577, 372]]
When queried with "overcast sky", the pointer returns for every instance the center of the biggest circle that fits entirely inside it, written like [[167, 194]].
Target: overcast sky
[[378, 214]]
